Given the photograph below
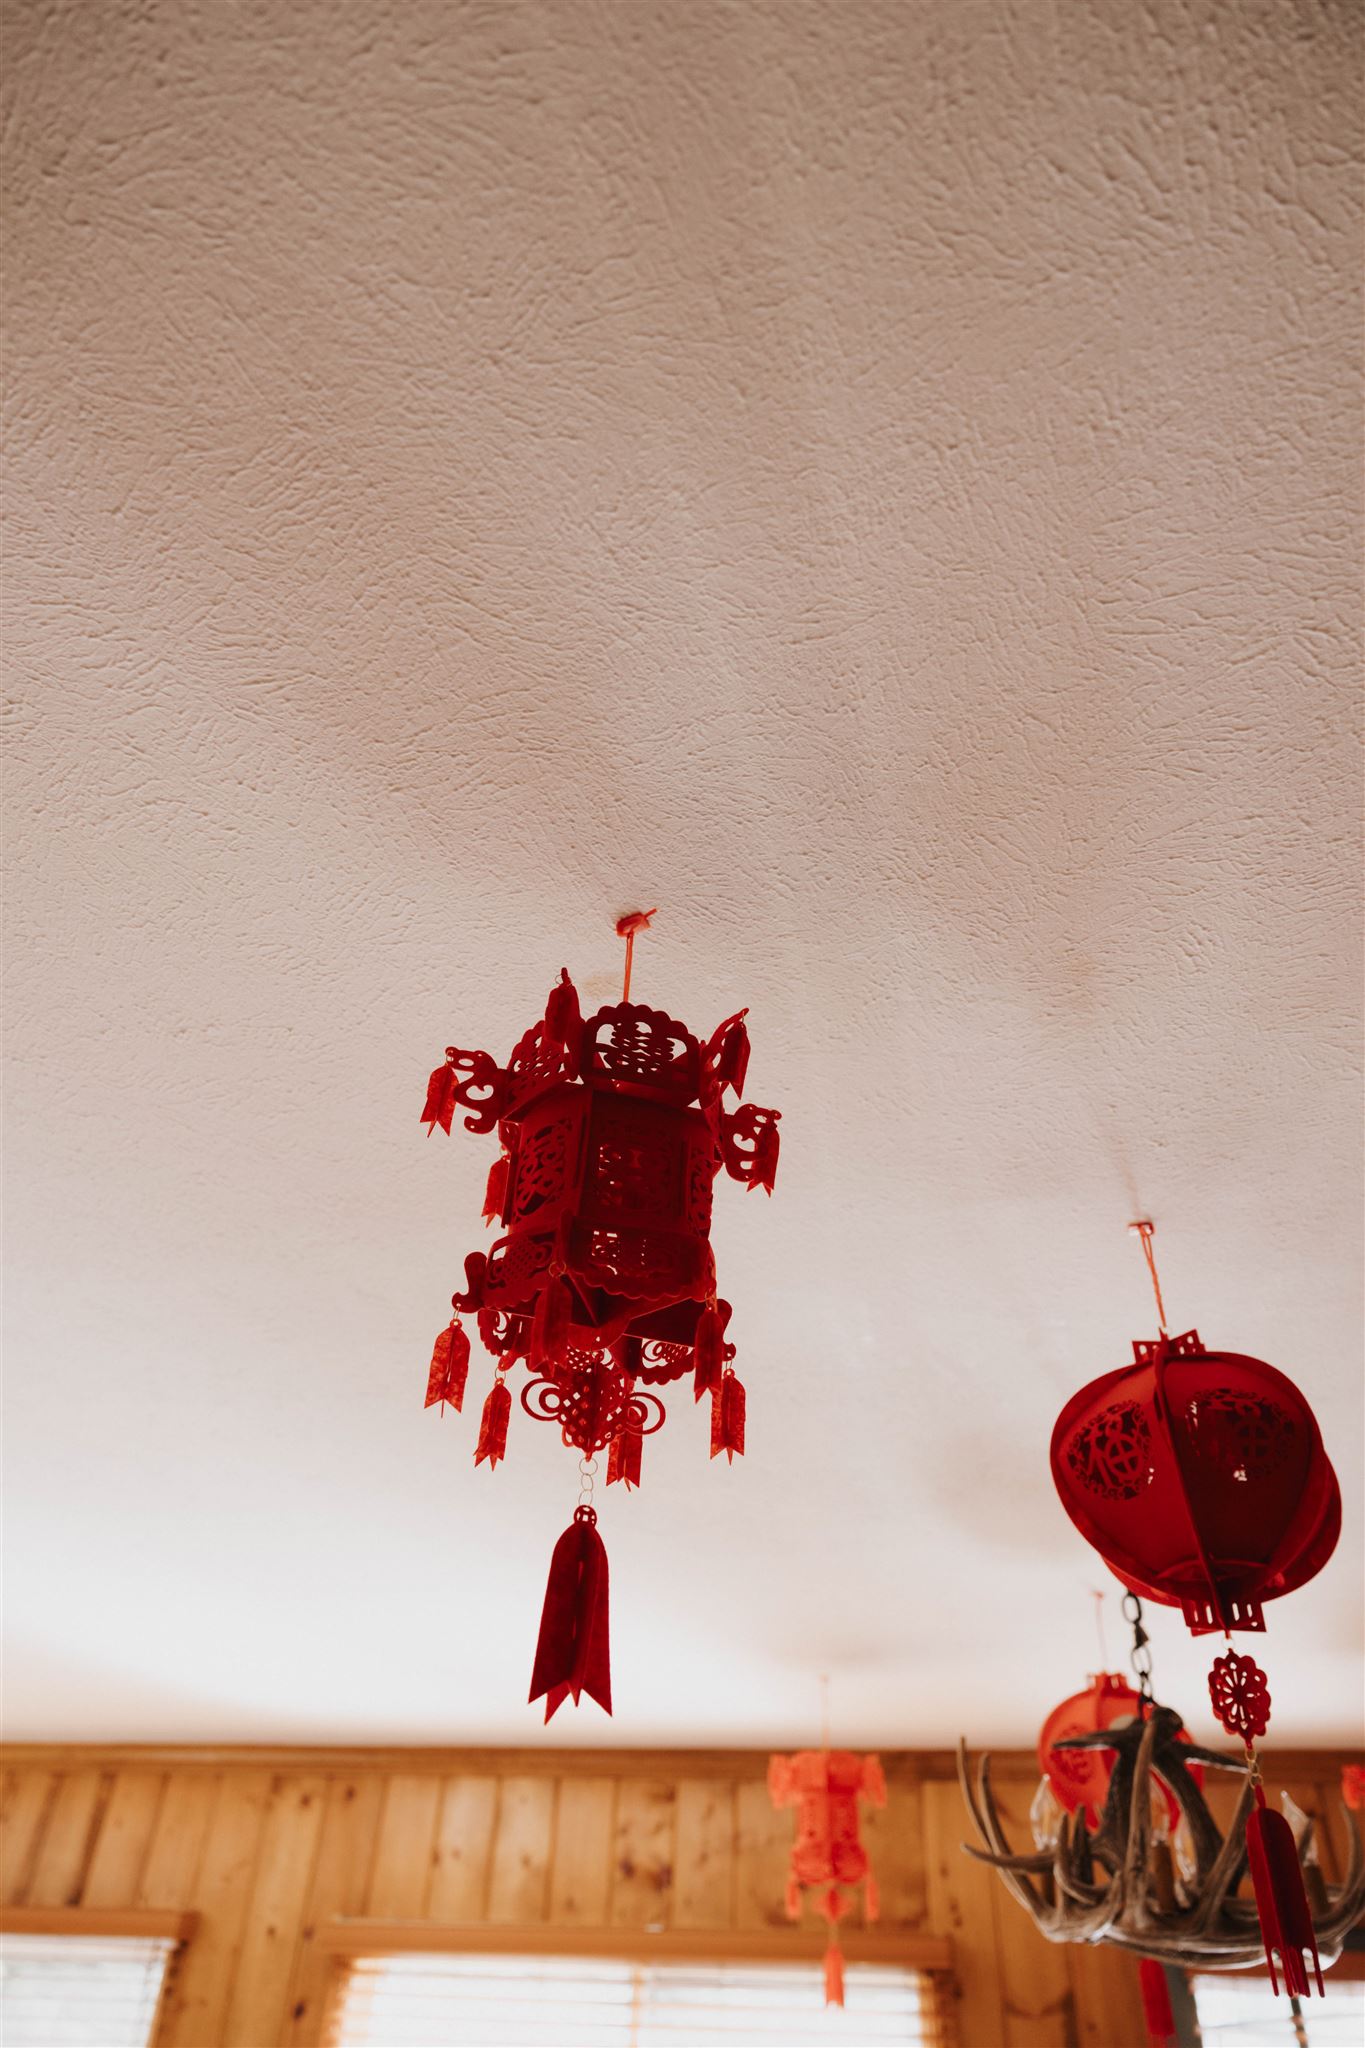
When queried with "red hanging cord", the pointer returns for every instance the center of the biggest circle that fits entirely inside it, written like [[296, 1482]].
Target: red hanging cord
[[626, 927], [1145, 1231]]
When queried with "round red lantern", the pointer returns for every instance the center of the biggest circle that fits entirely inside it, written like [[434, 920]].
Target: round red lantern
[[1079, 1778], [1201, 1479]]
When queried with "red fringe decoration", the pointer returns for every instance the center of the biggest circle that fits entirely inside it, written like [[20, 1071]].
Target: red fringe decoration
[[563, 1018], [623, 1461], [550, 1324], [727, 1418], [449, 1368], [834, 1975], [1281, 1902], [573, 1652], [440, 1102], [493, 1427], [708, 1352], [1156, 2004], [495, 1193], [766, 1147]]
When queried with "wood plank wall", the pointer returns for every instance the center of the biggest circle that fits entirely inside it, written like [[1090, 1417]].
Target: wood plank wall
[[269, 1847]]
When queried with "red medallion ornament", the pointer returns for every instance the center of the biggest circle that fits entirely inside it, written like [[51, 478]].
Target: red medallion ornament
[[612, 1130]]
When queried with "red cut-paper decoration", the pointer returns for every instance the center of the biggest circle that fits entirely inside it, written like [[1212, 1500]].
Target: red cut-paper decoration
[[493, 1427], [727, 1418], [1240, 1696], [449, 1367], [612, 1129], [1281, 1901], [573, 1653], [828, 1859], [1080, 1777], [1201, 1479]]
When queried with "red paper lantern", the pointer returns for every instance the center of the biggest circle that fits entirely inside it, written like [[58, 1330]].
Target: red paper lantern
[[1201, 1479], [828, 1858], [1079, 1778], [602, 1282]]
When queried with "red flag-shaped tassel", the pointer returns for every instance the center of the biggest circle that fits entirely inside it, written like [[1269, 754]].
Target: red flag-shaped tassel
[[1281, 1901], [550, 1324], [728, 1052], [563, 1019], [727, 1418], [493, 1427], [623, 1460], [573, 1652], [766, 1147], [495, 1193], [708, 1352], [1156, 2004], [449, 1367], [440, 1102], [834, 1975]]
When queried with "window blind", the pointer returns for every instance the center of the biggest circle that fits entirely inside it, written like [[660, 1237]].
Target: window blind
[[499, 2001], [1243, 2012], [71, 1991]]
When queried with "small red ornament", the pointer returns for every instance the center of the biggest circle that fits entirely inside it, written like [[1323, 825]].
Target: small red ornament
[[1240, 1696], [828, 1857], [1353, 1786], [602, 1282]]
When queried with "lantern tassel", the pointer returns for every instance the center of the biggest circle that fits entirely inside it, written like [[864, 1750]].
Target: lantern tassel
[[834, 1972], [623, 1461], [708, 1352], [550, 1324], [1156, 2004], [727, 1418], [493, 1428], [1281, 1902], [449, 1368], [495, 1193], [563, 1019], [573, 1651], [439, 1107]]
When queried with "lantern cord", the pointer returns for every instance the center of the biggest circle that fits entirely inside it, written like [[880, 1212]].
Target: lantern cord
[[824, 1712], [1144, 1232], [1098, 1599], [626, 927]]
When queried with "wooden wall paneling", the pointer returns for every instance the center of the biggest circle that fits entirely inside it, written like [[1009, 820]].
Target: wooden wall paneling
[[284, 1876], [519, 1881], [340, 1886], [193, 2016], [188, 1802], [463, 1849], [893, 1836], [580, 1873], [68, 1839], [763, 1845], [1039, 1998], [124, 1838], [28, 1795], [642, 1852], [704, 1854], [961, 1900], [402, 1859], [1108, 1996]]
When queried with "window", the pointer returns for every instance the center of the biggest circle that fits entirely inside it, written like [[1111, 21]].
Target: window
[[67, 1991], [502, 2001], [1243, 2012]]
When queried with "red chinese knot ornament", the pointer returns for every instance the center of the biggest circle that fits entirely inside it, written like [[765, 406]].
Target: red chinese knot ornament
[[612, 1130], [828, 1858]]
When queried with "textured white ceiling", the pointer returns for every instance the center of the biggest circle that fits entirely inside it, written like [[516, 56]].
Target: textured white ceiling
[[880, 482]]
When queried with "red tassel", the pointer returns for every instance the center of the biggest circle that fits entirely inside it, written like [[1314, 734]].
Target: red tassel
[[708, 1352], [563, 1018], [764, 1171], [493, 1427], [550, 1324], [440, 1102], [1281, 1901], [1156, 2004], [834, 1975], [495, 1194], [573, 1651], [623, 1460], [727, 1418], [728, 1053], [449, 1367]]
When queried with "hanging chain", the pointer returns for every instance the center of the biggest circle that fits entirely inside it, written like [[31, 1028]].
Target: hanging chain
[[587, 1470], [1140, 1656]]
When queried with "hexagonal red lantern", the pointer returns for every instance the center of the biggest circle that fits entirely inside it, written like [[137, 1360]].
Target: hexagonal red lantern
[[602, 1282], [828, 1858]]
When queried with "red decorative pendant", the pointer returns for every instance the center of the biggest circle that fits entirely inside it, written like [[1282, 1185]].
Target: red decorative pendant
[[602, 1280], [828, 1858]]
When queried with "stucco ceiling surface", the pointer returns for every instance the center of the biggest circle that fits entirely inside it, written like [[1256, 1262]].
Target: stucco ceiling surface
[[880, 482]]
